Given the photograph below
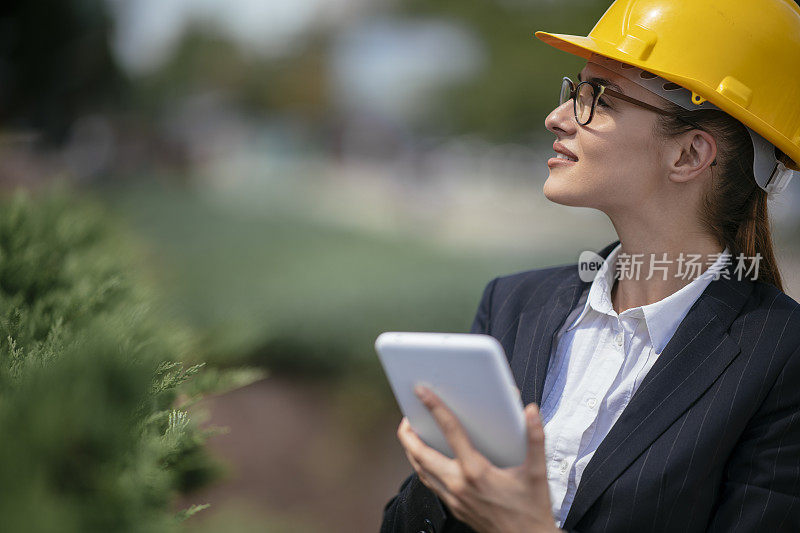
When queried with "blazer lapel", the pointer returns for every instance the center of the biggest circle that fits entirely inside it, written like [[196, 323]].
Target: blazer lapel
[[539, 322], [695, 356]]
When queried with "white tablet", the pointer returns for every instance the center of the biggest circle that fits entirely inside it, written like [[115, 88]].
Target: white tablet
[[470, 373]]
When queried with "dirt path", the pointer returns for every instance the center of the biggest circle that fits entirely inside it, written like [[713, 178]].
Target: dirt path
[[293, 456]]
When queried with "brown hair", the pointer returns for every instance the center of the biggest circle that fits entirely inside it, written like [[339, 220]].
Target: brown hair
[[735, 207]]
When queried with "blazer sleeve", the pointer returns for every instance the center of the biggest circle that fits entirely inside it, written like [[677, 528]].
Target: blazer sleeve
[[761, 487], [480, 324], [415, 507]]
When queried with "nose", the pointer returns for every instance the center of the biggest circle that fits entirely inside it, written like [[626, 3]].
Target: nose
[[561, 120]]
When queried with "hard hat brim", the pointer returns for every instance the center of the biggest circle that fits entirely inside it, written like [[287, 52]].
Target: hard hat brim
[[586, 46], [573, 44]]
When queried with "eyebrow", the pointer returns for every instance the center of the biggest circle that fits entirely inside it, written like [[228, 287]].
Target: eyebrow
[[603, 81]]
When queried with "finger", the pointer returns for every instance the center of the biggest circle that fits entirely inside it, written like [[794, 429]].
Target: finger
[[431, 461], [428, 479], [423, 453], [417, 467], [448, 422], [414, 463], [404, 426], [411, 442], [535, 459]]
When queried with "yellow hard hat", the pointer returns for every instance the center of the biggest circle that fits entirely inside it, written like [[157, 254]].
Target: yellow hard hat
[[743, 56]]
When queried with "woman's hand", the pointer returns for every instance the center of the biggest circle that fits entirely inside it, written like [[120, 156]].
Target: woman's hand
[[488, 498]]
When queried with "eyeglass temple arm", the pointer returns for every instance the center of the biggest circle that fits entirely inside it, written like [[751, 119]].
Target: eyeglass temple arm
[[621, 96]]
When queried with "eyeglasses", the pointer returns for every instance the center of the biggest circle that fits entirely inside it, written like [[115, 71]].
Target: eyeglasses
[[586, 94]]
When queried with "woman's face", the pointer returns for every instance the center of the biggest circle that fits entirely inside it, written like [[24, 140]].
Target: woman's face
[[619, 157]]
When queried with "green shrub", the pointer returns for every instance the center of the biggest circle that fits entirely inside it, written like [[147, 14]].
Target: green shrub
[[90, 371]]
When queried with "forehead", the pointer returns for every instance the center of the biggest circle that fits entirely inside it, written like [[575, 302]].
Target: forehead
[[594, 70]]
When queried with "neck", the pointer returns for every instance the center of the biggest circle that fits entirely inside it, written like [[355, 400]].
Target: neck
[[667, 274]]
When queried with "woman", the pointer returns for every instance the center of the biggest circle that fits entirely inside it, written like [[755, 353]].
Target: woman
[[668, 402]]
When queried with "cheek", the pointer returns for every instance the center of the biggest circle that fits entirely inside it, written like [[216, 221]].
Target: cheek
[[626, 157]]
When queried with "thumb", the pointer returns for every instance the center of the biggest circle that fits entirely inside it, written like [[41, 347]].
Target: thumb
[[534, 460]]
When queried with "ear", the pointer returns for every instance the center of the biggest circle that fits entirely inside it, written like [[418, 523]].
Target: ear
[[695, 151]]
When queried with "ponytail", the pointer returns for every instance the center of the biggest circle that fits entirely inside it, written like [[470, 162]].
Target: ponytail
[[754, 236]]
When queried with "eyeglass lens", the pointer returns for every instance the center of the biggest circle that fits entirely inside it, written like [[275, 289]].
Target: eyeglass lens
[[583, 102]]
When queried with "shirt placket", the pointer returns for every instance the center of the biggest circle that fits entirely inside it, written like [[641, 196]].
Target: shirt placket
[[584, 404]]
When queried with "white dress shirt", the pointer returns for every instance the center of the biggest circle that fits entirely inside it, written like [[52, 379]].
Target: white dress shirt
[[599, 360]]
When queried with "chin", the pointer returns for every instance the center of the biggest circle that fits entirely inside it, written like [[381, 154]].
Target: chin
[[564, 192]]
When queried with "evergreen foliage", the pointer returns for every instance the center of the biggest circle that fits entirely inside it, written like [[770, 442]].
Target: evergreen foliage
[[94, 437]]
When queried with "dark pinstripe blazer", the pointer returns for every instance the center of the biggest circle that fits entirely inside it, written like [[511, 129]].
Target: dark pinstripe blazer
[[710, 441]]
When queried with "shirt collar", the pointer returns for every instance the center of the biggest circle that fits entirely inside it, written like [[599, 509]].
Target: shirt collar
[[663, 317]]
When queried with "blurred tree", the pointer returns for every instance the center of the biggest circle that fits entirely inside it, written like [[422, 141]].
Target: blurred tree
[[510, 98], [506, 101], [55, 64], [206, 61]]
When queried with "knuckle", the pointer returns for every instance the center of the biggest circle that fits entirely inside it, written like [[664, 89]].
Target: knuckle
[[451, 427], [471, 476], [474, 472], [457, 487]]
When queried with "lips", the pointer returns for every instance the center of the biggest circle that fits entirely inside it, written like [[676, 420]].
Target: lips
[[563, 153]]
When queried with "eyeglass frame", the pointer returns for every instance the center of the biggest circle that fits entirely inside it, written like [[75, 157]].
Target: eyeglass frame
[[599, 90]]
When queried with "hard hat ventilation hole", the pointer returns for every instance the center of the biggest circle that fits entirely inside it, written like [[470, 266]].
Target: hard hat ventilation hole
[[647, 75], [669, 86]]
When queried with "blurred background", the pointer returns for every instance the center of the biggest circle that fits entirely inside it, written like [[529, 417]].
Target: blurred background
[[299, 176]]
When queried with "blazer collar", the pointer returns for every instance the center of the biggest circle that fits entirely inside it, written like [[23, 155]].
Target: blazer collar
[[694, 357]]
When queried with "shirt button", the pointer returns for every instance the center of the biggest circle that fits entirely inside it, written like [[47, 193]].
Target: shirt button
[[619, 339], [591, 402], [563, 466]]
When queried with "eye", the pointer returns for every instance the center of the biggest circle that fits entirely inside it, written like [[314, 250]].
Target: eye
[[602, 102]]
